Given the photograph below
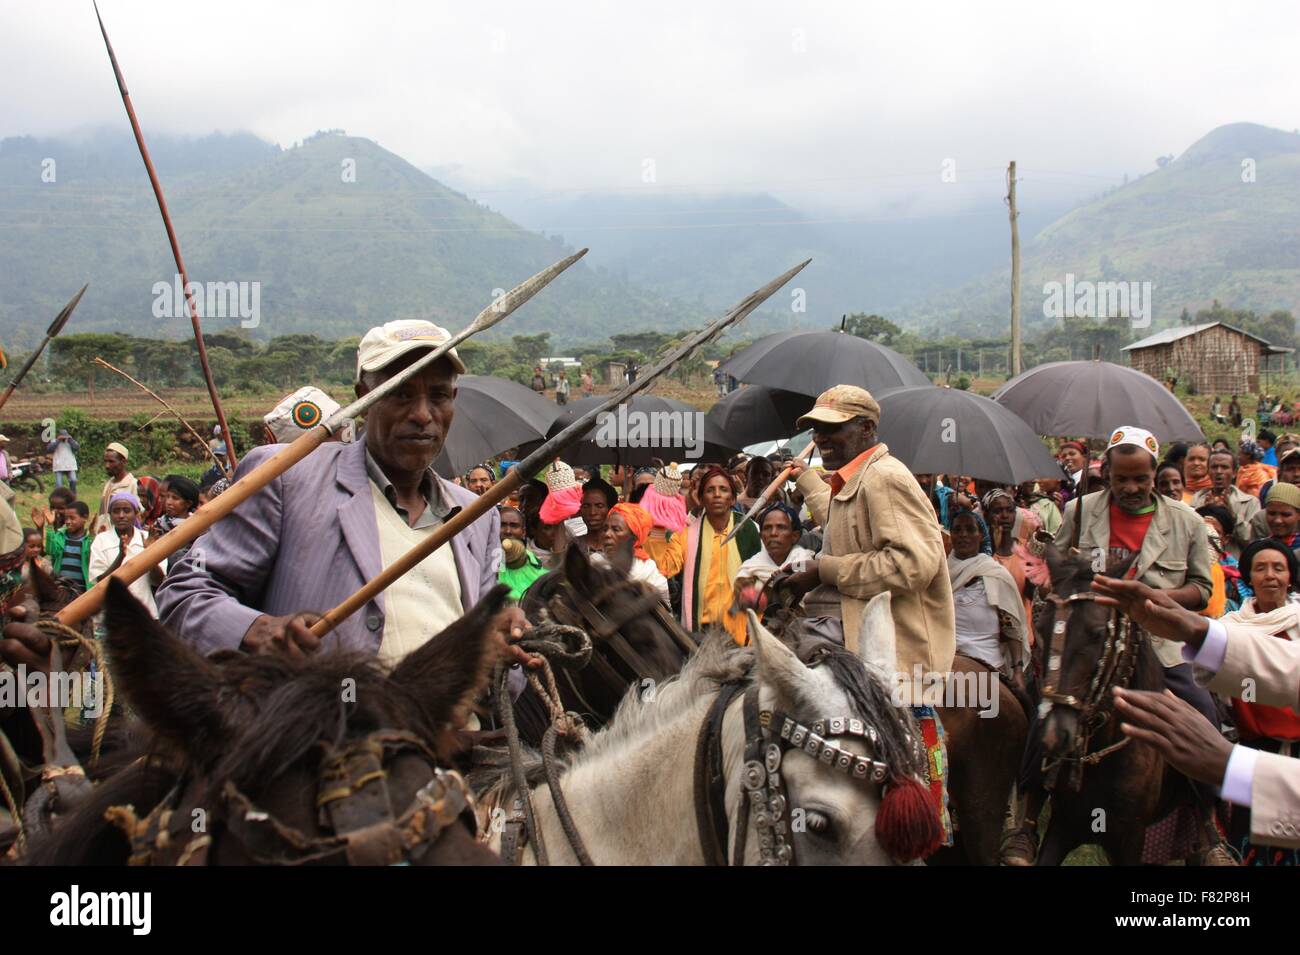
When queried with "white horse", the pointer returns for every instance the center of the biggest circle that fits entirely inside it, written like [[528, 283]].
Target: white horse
[[631, 789]]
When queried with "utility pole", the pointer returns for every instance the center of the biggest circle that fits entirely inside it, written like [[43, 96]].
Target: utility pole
[[1015, 270]]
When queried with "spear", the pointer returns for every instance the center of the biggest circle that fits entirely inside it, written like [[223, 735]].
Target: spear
[[767, 494], [516, 475], [176, 249], [56, 326], [266, 472]]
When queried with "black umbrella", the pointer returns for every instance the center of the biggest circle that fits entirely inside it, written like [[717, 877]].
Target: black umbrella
[[492, 416], [1093, 398], [645, 428], [810, 362], [757, 413], [948, 431]]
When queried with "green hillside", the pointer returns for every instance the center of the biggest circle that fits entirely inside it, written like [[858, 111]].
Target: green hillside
[[1193, 229], [332, 257]]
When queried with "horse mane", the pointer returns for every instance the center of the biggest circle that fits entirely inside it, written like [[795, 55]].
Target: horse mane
[[870, 701], [295, 705]]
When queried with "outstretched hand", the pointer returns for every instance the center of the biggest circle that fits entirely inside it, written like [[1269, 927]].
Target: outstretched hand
[[1154, 610], [1185, 738]]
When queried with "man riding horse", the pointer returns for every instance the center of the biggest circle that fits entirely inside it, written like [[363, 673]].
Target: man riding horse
[[880, 535], [1164, 544]]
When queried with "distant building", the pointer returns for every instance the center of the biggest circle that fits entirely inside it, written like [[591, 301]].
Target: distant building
[[1211, 359]]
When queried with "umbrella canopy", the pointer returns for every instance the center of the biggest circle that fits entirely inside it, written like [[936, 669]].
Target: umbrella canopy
[[756, 413], [1093, 398], [645, 428], [492, 416], [936, 430], [810, 362]]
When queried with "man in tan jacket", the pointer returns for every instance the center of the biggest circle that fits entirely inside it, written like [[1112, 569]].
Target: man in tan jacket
[[880, 535], [1231, 658]]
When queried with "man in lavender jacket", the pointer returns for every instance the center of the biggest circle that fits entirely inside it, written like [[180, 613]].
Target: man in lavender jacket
[[318, 532]]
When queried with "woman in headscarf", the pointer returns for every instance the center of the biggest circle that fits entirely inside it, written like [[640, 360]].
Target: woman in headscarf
[[779, 528], [124, 539], [1271, 570], [1000, 514], [631, 521], [1252, 474], [1282, 512], [149, 493], [990, 615], [708, 566]]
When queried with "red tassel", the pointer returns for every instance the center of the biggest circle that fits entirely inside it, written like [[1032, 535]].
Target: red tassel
[[907, 822]]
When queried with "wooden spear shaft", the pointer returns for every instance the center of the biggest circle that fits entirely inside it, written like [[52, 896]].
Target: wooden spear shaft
[[176, 252], [249, 484], [515, 476], [158, 398]]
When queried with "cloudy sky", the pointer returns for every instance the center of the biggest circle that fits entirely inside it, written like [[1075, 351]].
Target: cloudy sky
[[830, 106]]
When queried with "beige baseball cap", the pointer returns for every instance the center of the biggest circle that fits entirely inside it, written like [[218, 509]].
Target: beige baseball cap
[[384, 344], [842, 403]]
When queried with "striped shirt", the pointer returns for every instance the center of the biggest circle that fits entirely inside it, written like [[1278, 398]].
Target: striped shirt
[[70, 567]]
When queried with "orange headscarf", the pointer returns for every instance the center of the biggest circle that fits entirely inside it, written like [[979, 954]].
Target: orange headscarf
[[638, 521]]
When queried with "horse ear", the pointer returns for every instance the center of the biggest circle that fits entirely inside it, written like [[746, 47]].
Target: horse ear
[[452, 669], [577, 569], [876, 637], [167, 682], [47, 589], [1057, 563], [778, 665]]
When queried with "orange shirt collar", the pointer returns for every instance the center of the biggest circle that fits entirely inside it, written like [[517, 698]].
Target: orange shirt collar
[[845, 474]]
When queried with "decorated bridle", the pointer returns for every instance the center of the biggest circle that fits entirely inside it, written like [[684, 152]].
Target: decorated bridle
[[352, 799], [769, 735], [1114, 667]]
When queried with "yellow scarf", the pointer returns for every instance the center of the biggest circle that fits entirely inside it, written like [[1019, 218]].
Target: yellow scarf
[[715, 581]]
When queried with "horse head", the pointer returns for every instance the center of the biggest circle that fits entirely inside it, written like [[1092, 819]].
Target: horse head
[[314, 751], [1074, 638], [835, 815]]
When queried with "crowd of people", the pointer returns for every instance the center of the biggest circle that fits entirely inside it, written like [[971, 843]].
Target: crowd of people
[[1212, 527]]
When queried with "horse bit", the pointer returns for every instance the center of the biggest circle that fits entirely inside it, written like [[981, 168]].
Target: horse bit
[[352, 799]]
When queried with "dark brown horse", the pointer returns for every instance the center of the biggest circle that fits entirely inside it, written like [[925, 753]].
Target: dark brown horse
[[263, 759], [636, 641], [1103, 790], [984, 756]]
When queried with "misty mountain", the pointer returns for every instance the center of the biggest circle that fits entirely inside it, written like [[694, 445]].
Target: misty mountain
[[1222, 221], [333, 252], [699, 247]]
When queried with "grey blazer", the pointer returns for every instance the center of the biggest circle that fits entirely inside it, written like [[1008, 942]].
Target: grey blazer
[[305, 542]]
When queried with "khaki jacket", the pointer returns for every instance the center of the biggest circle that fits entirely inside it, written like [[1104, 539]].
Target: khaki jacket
[[1271, 668], [883, 535], [1175, 551]]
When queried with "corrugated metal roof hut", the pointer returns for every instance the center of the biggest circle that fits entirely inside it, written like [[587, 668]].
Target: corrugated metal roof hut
[[1213, 358]]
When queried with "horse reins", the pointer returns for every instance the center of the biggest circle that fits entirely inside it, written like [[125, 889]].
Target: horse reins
[[352, 799], [1114, 667]]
